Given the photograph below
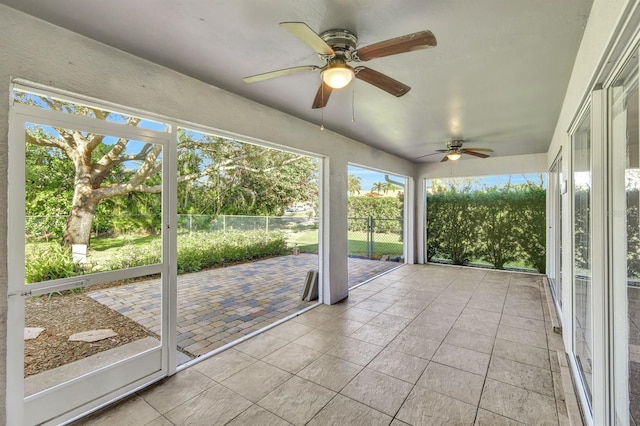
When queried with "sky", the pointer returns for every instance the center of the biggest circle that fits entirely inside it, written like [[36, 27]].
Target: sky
[[369, 177]]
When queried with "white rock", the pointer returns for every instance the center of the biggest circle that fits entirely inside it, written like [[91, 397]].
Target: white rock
[[93, 335], [31, 333]]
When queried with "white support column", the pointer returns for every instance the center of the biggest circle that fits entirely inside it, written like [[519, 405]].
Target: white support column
[[334, 256]]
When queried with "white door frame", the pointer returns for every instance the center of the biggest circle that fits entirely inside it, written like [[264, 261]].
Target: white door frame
[[101, 386]]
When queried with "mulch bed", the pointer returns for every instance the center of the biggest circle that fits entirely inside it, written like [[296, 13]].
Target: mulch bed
[[64, 314]]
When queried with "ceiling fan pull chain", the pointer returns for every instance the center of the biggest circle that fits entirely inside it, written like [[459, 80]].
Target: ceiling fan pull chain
[[322, 109]]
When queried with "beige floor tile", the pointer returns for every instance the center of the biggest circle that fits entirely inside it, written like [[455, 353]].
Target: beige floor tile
[[372, 305], [133, 411], [176, 389], [487, 418], [404, 311], [319, 340], [344, 411], [437, 318], [356, 351], [261, 345], [392, 322], [463, 359], [224, 364], [357, 314], [479, 327], [341, 326], [376, 335], [481, 315], [331, 372], [522, 375], [378, 391], [522, 353], [458, 384], [445, 308], [297, 400], [399, 365], [160, 421], [312, 318], [533, 313], [519, 335], [519, 404], [292, 357], [524, 323], [289, 331], [397, 422], [425, 407], [470, 340], [257, 380], [414, 345], [216, 405], [256, 415], [427, 330]]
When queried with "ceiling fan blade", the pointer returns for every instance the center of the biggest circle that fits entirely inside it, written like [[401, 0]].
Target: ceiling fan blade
[[322, 96], [443, 150], [476, 154], [309, 37], [381, 81], [426, 155], [402, 44], [445, 158], [278, 73], [480, 149]]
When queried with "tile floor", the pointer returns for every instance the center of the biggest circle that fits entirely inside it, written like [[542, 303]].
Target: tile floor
[[421, 345]]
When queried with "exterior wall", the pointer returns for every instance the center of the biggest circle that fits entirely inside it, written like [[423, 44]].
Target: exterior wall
[[37, 51]]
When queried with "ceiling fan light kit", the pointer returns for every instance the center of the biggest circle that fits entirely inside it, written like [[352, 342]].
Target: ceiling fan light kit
[[453, 156], [336, 48], [337, 76]]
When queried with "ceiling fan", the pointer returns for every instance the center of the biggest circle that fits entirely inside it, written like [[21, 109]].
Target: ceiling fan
[[455, 150], [337, 48]]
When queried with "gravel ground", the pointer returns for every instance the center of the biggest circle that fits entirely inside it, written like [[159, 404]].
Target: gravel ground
[[62, 315]]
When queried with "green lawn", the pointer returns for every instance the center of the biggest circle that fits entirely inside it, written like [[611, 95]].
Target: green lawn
[[383, 243]]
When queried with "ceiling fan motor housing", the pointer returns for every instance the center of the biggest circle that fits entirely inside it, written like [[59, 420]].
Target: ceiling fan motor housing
[[343, 42]]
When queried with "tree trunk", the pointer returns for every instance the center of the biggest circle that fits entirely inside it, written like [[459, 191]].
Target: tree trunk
[[80, 220]]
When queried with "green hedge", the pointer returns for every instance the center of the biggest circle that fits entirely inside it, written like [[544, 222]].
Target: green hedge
[[388, 210], [496, 225], [197, 251]]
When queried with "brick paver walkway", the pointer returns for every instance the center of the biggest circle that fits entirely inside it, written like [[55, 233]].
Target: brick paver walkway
[[218, 306]]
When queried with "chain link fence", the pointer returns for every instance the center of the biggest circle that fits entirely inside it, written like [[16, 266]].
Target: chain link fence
[[369, 237], [373, 238]]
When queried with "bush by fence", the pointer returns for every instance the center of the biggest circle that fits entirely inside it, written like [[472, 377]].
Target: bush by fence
[[498, 226], [195, 252], [379, 208]]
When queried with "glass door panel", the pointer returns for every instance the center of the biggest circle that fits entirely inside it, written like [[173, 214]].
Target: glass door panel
[[626, 243], [582, 271]]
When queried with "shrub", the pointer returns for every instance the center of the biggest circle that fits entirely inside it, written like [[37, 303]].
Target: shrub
[[387, 209], [51, 262], [496, 225]]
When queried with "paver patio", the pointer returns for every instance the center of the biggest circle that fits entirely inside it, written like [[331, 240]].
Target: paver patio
[[221, 305]]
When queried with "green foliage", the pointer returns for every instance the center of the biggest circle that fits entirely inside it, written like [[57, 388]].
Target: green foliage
[[197, 251], [452, 226], [498, 225], [50, 262], [386, 210], [202, 250]]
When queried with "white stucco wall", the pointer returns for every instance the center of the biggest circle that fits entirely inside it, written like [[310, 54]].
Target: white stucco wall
[[36, 51]]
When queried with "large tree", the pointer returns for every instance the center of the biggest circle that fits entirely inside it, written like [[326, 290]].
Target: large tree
[[214, 173]]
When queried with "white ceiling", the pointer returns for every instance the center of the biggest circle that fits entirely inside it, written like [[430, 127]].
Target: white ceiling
[[497, 77]]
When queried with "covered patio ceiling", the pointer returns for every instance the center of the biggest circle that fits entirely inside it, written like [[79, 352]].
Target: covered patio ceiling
[[496, 79]]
